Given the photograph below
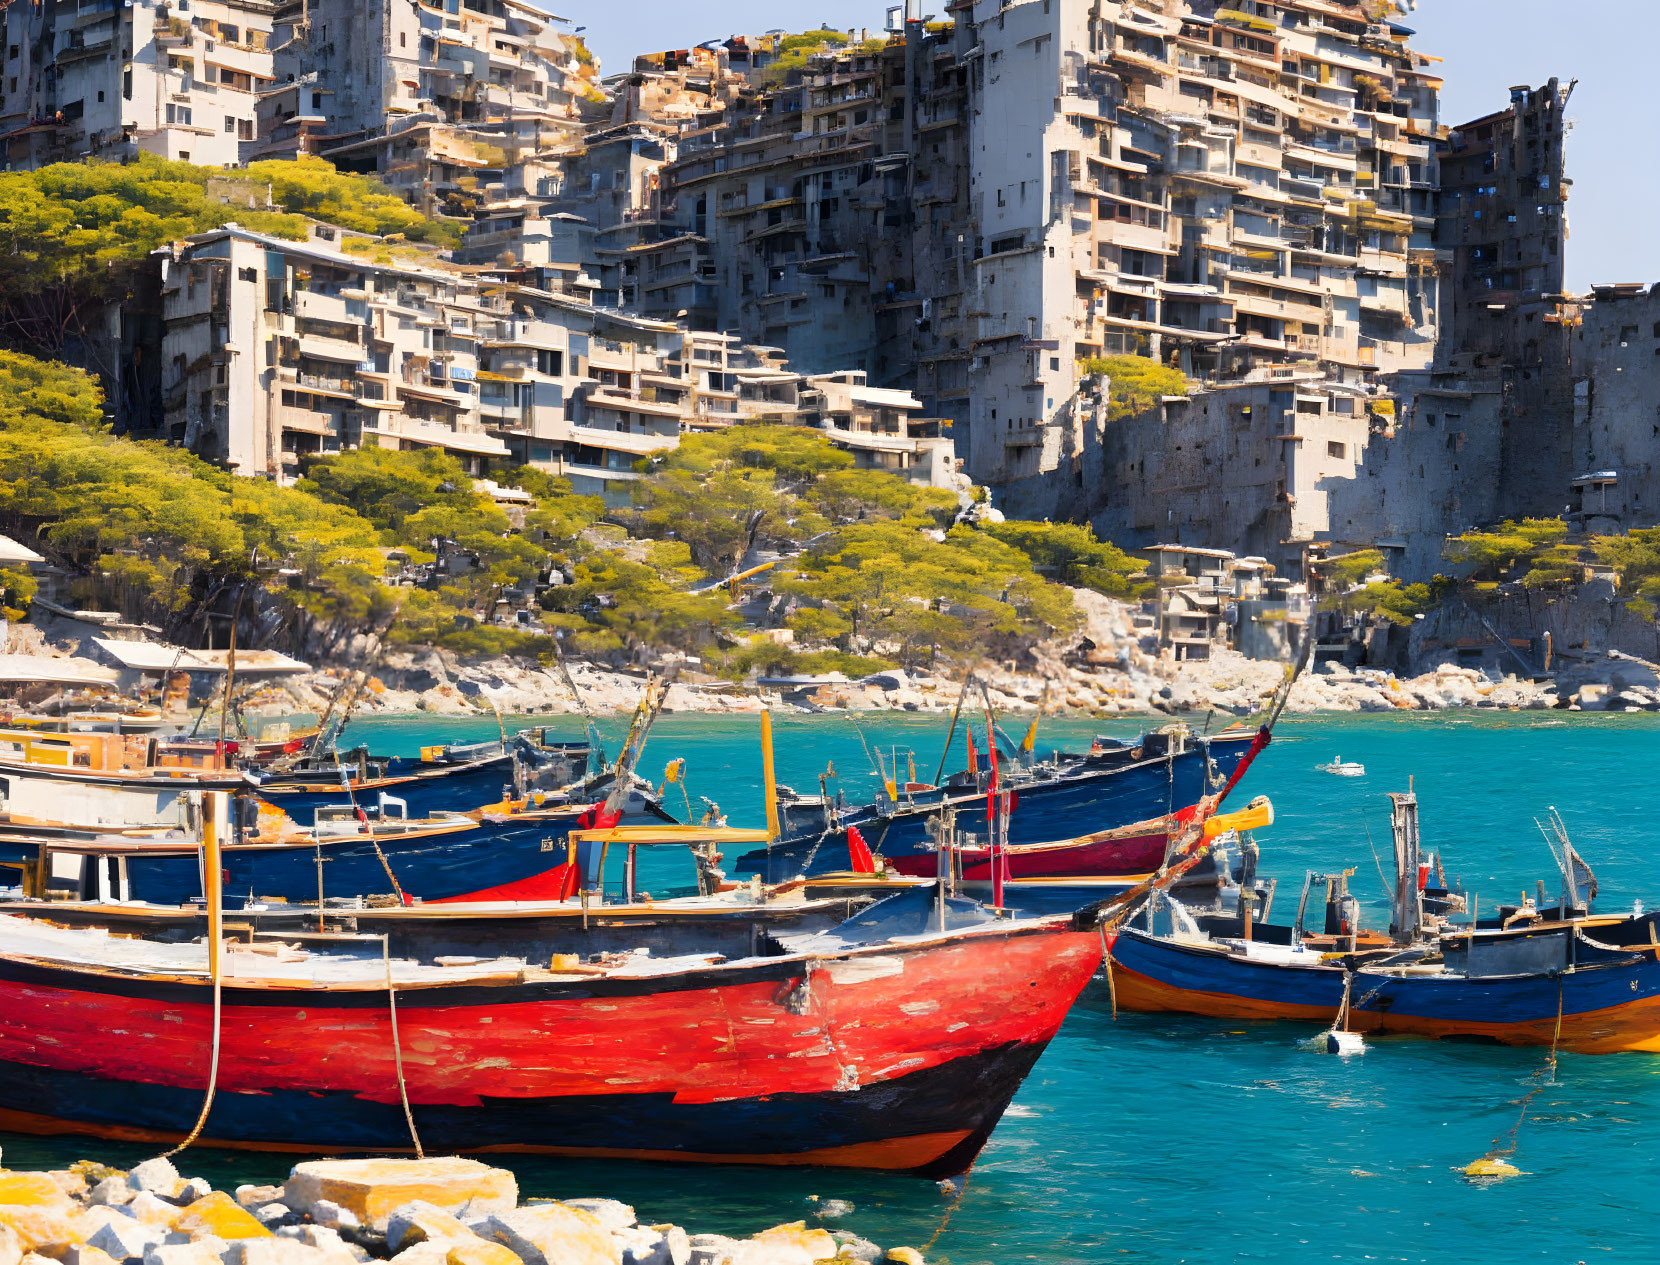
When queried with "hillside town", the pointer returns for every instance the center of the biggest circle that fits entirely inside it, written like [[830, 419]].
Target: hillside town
[[933, 242]]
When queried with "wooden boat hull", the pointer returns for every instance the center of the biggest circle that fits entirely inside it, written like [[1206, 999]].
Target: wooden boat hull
[[1135, 850], [446, 860], [899, 1057], [1101, 800], [1608, 1004], [426, 788]]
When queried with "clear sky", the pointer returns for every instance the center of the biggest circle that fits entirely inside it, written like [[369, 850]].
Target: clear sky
[[1488, 45]]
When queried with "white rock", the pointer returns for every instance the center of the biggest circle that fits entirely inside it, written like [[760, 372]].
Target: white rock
[[834, 1208], [269, 1214], [112, 1192], [275, 1251], [205, 1251], [193, 1189], [150, 1209], [713, 1249], [253, 1196], [853, 1248], [157, 1175], [613, 1214], [640, 1246], [325, 1240], [327, 1212], [121, 1236]]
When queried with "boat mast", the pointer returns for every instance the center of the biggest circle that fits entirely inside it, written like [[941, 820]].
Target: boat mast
[[1406, 920]]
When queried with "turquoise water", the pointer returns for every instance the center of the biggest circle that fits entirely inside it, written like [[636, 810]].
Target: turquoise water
[[1165, 1139]]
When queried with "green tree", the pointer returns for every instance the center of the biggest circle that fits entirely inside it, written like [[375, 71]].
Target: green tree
[[1537, 547], [1071, 554]]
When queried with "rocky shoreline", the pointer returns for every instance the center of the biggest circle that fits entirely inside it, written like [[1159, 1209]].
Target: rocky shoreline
[[1109, 668], [441, 1211]]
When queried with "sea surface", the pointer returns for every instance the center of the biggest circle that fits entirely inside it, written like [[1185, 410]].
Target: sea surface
[[1168, 1139]]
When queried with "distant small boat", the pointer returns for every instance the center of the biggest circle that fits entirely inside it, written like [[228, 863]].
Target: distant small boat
[[1343, 768]]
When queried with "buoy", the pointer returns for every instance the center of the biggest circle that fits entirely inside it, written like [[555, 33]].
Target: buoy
[[1491, 1167], [1344, 1043]]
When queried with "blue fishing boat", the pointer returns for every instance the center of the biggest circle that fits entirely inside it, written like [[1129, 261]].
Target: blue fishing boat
[[441, 779], [510, 851], [1165, 773], [1532, 976]]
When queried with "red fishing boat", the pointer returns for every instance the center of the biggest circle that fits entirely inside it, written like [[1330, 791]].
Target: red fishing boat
[[894, 1045]]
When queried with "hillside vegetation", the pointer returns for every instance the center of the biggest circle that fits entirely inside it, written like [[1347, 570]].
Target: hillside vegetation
[[876, 570], [73, 236]]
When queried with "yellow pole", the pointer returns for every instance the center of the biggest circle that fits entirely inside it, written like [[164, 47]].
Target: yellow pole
[[770, 782], [214, 811]]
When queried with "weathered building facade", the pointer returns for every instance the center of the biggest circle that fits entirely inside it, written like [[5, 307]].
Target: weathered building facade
[[92, 77]]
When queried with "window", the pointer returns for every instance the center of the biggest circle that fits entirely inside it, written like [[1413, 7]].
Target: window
[[127, 85], [317, 101], [1335, 449], [403, 40], [550, 363], [247, 274], [230, 124], [244, 129], [100, 95]]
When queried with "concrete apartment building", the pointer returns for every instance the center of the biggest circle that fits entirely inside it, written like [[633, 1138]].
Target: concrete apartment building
[[967, 210], [453, 105], [277, 351], [93, 77]]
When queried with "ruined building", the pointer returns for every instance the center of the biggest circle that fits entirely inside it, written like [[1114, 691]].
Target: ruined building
[[451, 105], [92, 77], [970, 209]]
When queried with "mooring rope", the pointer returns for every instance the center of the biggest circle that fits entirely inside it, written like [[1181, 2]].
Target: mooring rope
[[213, 1074], [1544, 1076], [397, 1047]]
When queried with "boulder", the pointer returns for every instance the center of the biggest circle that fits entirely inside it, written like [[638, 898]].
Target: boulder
[[904, 1256], [151, 1210], [789, 1244], [641, 1246], [275, 1251], [476, 1251], [713, 1249], [195, 1188], [552, 1234], [37, 1211], [75, 1254], [613, 1214], [371, 1190], [158, 1176], [325, 1240], [124, 1238], [206, 1251], [418, 1222], [251, 1197], [221, 1216], [11, 1246], [271, 1214], [853, 1248], [111, 1192], [327, 1212]]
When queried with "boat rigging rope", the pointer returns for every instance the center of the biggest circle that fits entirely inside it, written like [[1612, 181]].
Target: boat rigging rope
[[397, 1048]]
